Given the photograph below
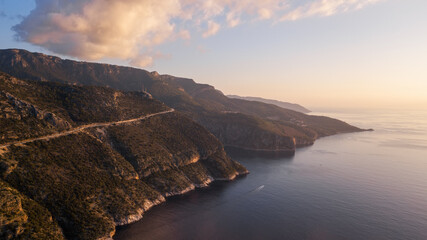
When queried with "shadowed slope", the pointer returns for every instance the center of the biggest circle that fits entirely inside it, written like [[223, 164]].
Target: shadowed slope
[[109, 172], [201, 102]]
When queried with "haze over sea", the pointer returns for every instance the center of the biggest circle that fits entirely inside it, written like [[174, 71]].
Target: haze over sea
[[369, 185]]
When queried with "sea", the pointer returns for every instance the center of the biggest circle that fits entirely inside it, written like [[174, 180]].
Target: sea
[[355, 186]]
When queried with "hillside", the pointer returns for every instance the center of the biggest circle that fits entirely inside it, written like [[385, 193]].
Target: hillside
[[87, 169], [237, 123], [291, 106]]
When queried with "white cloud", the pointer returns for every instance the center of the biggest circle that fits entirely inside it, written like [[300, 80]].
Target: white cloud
[[325, 8], [129, 29], [142, 61], [213, 28], [99, 28], [232, 21], [185, 34], [264, 13]]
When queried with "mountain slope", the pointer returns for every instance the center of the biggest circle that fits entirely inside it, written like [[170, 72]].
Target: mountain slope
[[23, 218], [99, 177], [286, 105], [238, 123]]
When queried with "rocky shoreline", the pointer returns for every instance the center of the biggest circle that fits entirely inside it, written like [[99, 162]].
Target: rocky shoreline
[[163, 198], [232, 151]]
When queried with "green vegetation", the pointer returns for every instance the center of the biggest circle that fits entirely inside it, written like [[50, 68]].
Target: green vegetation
[[23, 218], [156, 143], [79, 181], [165, 151], [81, 105], [84, 184], [201, 102], [32, 108]]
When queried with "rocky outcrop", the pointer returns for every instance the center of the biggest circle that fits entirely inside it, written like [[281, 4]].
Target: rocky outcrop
[[139, 212], [12, 216], [22, 120], [238, 131], [77, 176], [14, 108], [22, 218], [92, 180], [201, 102]]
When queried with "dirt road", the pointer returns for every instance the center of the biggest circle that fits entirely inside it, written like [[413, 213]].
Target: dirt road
[[81, 128]]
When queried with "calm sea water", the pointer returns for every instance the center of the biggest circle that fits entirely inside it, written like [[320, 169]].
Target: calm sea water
[[370, 185]]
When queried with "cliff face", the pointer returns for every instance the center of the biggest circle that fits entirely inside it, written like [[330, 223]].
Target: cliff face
[[200, 102], [97, 171], [249, 133]]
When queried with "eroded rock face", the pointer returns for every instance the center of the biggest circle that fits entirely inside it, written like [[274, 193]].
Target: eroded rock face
[[95, 179], [18, 219], [89, 186], [12, 216], [241, 134], [193, 159], [15, 108], [139, 213], [20, 119]]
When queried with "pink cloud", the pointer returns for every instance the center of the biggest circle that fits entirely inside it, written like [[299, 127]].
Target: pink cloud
[[129, 29]]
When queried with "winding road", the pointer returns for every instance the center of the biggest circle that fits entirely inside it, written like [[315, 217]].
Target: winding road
[[83, 127]]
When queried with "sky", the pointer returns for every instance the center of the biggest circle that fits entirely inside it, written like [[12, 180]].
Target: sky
[[318, 53]]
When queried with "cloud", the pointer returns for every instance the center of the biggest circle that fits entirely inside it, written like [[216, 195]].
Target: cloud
[[142, 61], [232, 21], [264, 13], [213, 28], [147, 59], [99, 28], [185, 34], [325, 8], [131, 29]]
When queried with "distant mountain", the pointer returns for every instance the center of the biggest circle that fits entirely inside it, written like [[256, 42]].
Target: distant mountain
[[77, 161], [291, 106], [242, 124]]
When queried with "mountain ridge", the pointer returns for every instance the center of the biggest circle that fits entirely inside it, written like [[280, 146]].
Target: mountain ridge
[[226, 118], [287, 105], [104, 175]]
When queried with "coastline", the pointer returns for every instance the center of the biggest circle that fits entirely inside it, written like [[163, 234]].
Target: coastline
[[232, 151], [139, 215]]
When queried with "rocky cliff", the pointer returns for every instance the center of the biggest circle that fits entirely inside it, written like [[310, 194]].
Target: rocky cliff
[[85, 170], [277, 126]]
